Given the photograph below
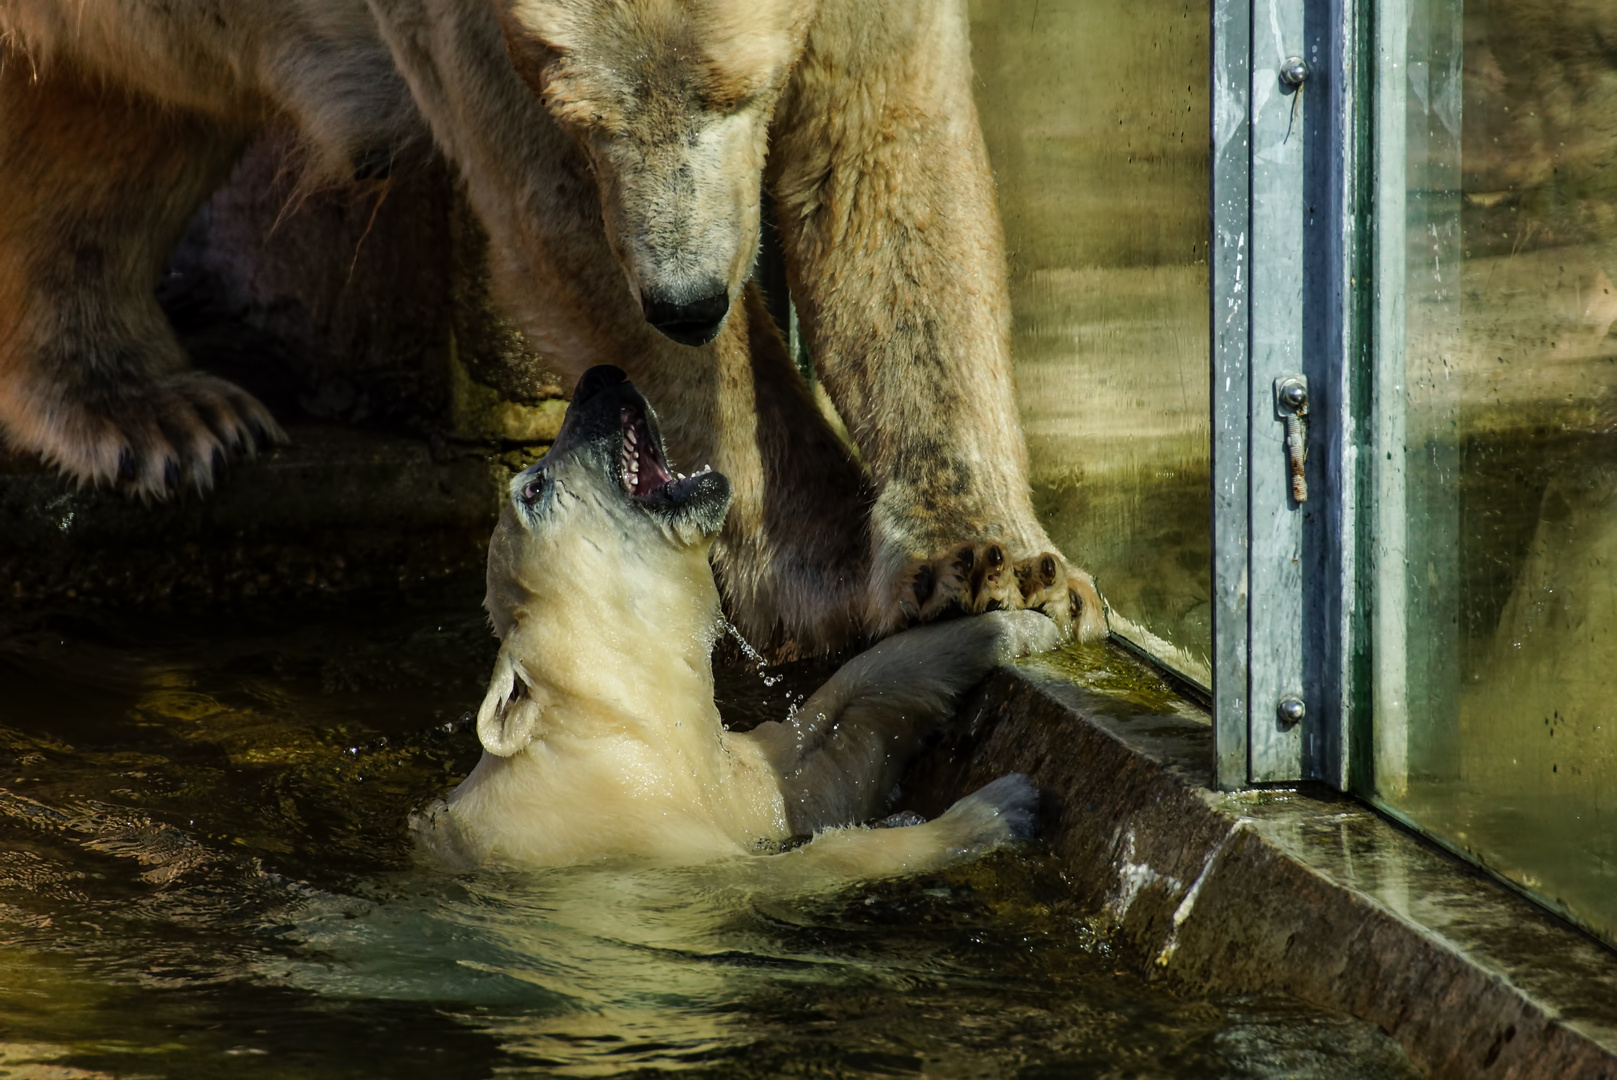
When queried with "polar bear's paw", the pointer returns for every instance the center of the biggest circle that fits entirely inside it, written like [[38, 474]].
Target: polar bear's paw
[[151, 438], [996, 813], [979, 577], [1021, 633]]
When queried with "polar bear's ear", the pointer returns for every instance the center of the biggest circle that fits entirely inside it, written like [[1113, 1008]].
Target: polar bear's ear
[[510, 712]]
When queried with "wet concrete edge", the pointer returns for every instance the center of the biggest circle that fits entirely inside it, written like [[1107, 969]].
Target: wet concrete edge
[[1296, 892], [335, 514]]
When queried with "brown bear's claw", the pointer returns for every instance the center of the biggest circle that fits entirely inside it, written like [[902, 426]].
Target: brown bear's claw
[[974, 578], [153, 439]]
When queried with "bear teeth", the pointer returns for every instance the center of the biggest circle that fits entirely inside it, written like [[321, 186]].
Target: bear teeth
[[631, 470]]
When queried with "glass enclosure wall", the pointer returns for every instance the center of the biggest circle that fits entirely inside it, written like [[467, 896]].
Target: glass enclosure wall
[[1096, 117], [1496, 592]]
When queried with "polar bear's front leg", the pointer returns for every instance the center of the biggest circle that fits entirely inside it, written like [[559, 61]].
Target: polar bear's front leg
[[998, 813], [849, 744]]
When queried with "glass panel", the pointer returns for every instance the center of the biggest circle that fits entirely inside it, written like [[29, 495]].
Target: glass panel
[[1096, 116], [1497, 620]]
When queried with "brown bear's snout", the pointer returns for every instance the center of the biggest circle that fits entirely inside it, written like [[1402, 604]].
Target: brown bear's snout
[[689, 321]]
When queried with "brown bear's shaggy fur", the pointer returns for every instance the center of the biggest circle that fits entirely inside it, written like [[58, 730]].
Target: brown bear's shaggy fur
[[614, 150]]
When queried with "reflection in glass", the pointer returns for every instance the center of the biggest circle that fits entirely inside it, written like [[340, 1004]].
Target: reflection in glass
[[1096, 117], [1501, 618]]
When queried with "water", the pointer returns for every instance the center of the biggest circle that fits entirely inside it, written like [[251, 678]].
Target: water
[[204, 871]]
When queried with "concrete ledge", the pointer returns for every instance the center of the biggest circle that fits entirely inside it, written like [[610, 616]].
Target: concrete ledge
[[1298, 892]]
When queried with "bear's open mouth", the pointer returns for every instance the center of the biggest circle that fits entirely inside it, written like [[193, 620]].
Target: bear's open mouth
[[644, 470]]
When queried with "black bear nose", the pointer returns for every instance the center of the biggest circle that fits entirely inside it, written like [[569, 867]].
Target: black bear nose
[[689, 322], [595, 380]]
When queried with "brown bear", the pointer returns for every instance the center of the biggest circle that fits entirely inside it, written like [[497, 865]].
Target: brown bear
[[615, 151]]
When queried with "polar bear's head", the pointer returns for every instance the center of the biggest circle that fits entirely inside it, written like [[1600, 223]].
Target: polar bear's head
[[597, 570], [671, 100], [601, 513]]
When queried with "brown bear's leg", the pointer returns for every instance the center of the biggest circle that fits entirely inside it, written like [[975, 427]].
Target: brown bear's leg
[[795, 554], [896, 259], [98, 185]]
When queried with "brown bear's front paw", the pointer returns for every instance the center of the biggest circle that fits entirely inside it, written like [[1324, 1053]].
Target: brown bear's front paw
[[154, 438], [1077, 608], [975, 578], [972, 578]]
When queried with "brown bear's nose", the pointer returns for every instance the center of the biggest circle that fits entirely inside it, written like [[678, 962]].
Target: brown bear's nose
[[687, 321]]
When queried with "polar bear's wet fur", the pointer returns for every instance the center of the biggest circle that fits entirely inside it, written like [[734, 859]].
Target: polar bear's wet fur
[[615, 151], [601, 737]]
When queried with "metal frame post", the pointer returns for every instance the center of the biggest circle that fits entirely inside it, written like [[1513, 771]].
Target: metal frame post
[[1287, 345]]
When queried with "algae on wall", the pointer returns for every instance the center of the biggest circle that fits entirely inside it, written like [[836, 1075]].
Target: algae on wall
[[1096, 120]]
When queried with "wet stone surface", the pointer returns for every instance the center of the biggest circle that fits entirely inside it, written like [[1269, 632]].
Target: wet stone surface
[[1506, 934], [1302, 891], [339, 514]]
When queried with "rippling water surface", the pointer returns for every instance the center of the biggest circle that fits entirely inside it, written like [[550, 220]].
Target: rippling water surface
[[204, 872]]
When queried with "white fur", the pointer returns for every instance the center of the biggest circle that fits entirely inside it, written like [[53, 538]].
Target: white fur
[[602, 738]]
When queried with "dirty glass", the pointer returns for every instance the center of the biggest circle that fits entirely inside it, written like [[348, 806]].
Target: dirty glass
[[1496, 600], [1096, 119]]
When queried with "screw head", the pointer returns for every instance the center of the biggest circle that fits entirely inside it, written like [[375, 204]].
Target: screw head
[[1291, 709], [1294, 395], [1294, 71]]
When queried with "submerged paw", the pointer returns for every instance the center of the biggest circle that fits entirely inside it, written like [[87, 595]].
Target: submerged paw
[[996, 813]]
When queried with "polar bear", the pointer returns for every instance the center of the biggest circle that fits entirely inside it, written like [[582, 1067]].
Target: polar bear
[[601, 738], [615, 151]]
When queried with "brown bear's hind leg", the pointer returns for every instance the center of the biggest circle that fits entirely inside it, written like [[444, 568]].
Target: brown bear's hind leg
[[95, 188]]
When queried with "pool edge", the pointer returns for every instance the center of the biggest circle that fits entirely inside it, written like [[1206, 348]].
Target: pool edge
[[1295, 891]]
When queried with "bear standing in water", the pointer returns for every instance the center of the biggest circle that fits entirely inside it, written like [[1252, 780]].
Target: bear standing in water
[[615, 151], [599, 730]]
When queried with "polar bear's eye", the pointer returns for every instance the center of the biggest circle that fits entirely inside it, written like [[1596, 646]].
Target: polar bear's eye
[[533, 488]]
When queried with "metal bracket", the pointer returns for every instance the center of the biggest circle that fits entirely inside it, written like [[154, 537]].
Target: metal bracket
[[1291, 406]]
